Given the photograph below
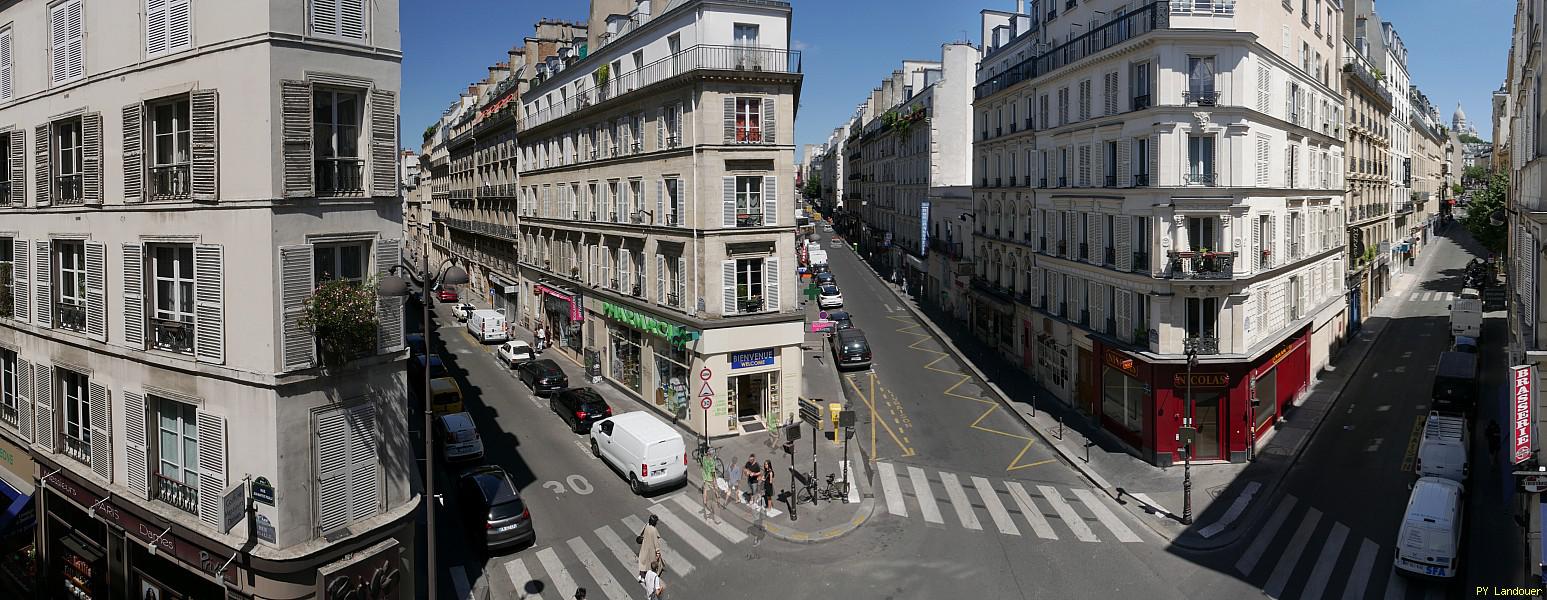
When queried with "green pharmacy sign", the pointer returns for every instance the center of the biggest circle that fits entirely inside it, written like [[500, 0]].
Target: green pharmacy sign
[[678, 335]]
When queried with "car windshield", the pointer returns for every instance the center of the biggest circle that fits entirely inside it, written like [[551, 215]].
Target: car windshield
[[829, 291], [508, 509], [593, 407], [854, 345], [464, 435]]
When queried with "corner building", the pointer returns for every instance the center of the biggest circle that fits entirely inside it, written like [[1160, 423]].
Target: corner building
[[1154, 177], [179, 177]]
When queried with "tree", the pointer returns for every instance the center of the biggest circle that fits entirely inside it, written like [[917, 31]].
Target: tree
[[1467, 138], [1475, 173], [1479, 214], [429, 132], [813, 189], [1455, 188]]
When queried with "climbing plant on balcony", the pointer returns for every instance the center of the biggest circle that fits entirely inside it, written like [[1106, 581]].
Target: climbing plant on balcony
[[342, 314]]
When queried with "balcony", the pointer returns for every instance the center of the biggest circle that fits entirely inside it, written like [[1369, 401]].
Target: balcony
[[67, 190], [169, 181], [176, 493], [1109, 256], [1200, 97], [697, 58], [751, 304], [1042, 182], [1201, 265], [1063, 248], [172, 335], [1203, 7], [1369, 81], [1141, 261], [78, 448], [983, 182], [993, 289], [1141, 180], [1141, 102], [749, 220], [1063, 182], [70, 316], [1125, 27], [998, 182], [1203, 345], [339, 176], [950, 249], [1205, 179], [5, 193], [1109, 181], [1084, 251], [1052, 14], [1042, 244]]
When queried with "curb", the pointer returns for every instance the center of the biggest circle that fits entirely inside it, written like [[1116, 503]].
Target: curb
[[865, 510]]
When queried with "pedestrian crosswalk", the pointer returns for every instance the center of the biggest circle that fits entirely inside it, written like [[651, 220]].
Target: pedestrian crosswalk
[[1300, 553], [604, 561], [1008, 505], [1431, 296]]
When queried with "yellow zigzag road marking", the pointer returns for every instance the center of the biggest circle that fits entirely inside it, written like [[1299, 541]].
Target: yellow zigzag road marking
[[992, 406], [906, 451]]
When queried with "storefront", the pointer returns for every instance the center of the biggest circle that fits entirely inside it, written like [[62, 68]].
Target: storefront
[[753, 390], [18, 519], [649, 357], [504, 295], [993, 319], [562, 316]]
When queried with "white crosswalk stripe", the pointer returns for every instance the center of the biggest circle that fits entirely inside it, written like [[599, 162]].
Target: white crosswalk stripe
[[627, 557], [519, 576], [959, 501], [679, 527], [1291, 556], [889, 487], [926, 498], [1030, 511], [1263, 537], [1414, 297], [1359, 578], [1325, 562], [726, 530], [995, 507], [556, 572], [675, 562], [1107, 518], [1066, 513], [598, 573]]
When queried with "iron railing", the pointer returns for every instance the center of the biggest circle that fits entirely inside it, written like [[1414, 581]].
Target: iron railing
[[1201, 179], [1205, 7], [176, 493], [1202, 265], [1200, 97], [5, 193], [70, 316], [78, 448], [1141, 180], [169, 181], [1141, 261], [749, 220], [339, 176], [1120, 29], [68, 188], [172, 335]]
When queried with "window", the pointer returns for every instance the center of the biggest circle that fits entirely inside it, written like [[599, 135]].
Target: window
[[1202, 234], [177, 454], [612, 201], [339, 18], [340, 261], [67, 34], [1139, 86], [749, 201], [1122, 399], [349, 480], [10, 411], [1109, 164], [69, 161], [671, 203], [1141, 243], [749, 115], [1141, 162], [167, 27], [336, 142], [1200, 159], [1202, 317], [744, 34], [636, 198], [1200, 79], [749, 285], [70, 311], [7, 279], [673, 125], [75, 403], [172, 323], [169, 148], [7, 89]]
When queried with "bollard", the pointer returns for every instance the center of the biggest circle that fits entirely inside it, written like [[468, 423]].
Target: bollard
[[1060, 427], [1033, 406]]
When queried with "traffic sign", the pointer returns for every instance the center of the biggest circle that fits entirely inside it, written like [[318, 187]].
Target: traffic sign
[[706, 390], [706, 401], [822, 315], [705, 373], [1534, 482]]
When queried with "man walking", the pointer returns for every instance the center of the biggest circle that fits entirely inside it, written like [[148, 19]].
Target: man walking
[[753, 470], [711, 501]]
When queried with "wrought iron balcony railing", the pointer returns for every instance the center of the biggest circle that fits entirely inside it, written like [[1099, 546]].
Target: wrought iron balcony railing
[[172, 335], [1203, 345], [1200, 97], [178, 494], [1124, 27], [67, 189], [78, 448], [339, 176], [1201, 179], [169, 181], [70, 316], [1202, 265]]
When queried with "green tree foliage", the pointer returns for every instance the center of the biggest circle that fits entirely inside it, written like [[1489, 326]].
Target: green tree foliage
[[429, 132], [1475, 173], [1467, 138], [813, 189], [1486, 202]]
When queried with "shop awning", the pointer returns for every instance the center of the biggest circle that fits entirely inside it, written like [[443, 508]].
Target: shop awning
[[17, 514], [917, 264], [508, 287]]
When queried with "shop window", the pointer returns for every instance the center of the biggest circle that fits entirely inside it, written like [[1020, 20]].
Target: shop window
[[1122, 399], [75, 401], [671, 379], [625, 349], [177, 455]]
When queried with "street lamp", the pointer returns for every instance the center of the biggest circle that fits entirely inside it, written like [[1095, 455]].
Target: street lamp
[[1188, 432], [394, 286]]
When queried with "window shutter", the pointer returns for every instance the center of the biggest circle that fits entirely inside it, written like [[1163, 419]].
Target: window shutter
[[24, 399], [204, 163], [728, 284], [96, 291], [40, 164], [134, 167], [296, 115], [43, 397], [389, 309], [179, 26], [660, 128], [1085, 165], [1093, 238], [1123, 314], [363, 463], [625, 271], [1123, 227], [730, 201], [1256, 257], [351, 19], [91, 155], [660, 279], [1154, 154], [1264, 88], [660, 202], [325, 17], [209, 333], [295, 265], [136, 456], [1262, 160], [332, 470], [41, 280], [770, 125], [1272, 241], [155, 27], [1034, 274], [21, 272], [1111, 92], [730, 119], [384, 165], [680, 285], [212, 467], [134, 296], [7, 89], [770, 200], [1124, 156], [101, 432], [771, 274]]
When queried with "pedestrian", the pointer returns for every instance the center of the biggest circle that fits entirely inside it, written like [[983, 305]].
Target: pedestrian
[[753, 470], [654, 587], [707, 463], [649, 546], [542, 336], [579, 593], [1493, 438], [732, 485], [768, 485]]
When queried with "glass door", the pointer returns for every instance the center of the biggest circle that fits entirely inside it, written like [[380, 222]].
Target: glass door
[[1206, 418]]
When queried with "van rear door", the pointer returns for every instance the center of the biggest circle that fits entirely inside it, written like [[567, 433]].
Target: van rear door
[[666, 458]]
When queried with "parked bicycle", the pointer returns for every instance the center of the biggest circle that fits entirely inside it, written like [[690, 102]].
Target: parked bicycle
[[832, 490]]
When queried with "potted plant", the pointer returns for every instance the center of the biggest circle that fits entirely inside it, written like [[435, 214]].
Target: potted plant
[[342, 314], [600, 75]]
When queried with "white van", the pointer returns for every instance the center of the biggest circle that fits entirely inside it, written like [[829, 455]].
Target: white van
[[1466, 318], [487, 325], [1443, 450], [1430, 539], [645, 448]]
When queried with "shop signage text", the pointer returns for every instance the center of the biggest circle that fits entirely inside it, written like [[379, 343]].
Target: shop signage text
[[365, 580], [752, 358], [173, 545], [924, 228], [1122, 363], [1202, 379], [575, 314], [1523, 384], [676, 334], [1280, 355]]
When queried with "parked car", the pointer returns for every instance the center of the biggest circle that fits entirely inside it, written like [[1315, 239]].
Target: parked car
[[579, 407], [487, 325], [447, 294], [461, 311], [841, 320], [640, 445], [826, 278], [493, 508], [417, 367], [416, 344], [829, 297], [458, 438], [850, 348], [1455, 383], [543, 376], [1464, 344], [1443, 450], [515, 352], [445, 396]]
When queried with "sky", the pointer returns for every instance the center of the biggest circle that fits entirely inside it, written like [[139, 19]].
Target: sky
[[847, 46]]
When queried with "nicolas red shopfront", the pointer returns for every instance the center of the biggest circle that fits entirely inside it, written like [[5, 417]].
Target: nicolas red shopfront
[[1143, 403]]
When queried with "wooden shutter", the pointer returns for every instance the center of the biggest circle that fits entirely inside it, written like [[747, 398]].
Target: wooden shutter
[[1092, 237], [332, 431], [364, 495], [730, 119], [7, 87], [204, 163], [91, 159], [45, 429], [134, 296], [660, 128], [771, 274], [351, 19], [134, 166], [660, 279], [1035, 285], [179, 30], [770, 200], [1154, 154], [96, 291], [155, 27], [325, 17], [24, 399], [21, 279], [625, 271], [18, 161], [101, 432], [384, 164], [1084, 159], [389, 309], [1122, 313], [680, 284], [1272, 241], [728, 284], [1124, 156], [770, 125], [1264, 88], [296, 282], [66, 35], [1123, 230], [296, 131], [136, 446], [41, 282], [660, 202], [730, 201], [212, 467], [40, 164], [1256, 257], [209, 291]]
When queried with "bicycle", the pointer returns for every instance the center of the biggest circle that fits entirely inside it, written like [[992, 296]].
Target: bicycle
[[833, 490]]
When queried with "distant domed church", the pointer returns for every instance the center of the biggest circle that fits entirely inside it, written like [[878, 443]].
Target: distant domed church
[[1459, 124]]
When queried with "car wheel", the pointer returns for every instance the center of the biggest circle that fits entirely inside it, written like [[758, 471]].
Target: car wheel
[[577, 428], [635, 485], [597, 452]]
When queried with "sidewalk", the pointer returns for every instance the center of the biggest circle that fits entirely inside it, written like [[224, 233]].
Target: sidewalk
[[813, 523], [1155, 494]]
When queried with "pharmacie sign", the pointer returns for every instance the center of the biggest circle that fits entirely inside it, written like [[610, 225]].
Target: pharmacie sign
[[1523, 396], [677, 334]]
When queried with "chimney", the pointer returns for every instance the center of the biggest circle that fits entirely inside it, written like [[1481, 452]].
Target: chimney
[[1020, 7]]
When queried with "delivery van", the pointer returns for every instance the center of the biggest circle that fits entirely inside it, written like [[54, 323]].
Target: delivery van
[[1429, 542], [1443, 450], [1466, 317], [487, 325], [646, 449], [1455, 383]]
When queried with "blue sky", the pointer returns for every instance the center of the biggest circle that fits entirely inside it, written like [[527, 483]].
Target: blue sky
[[848, 45]]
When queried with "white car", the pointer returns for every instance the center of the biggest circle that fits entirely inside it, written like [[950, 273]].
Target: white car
[[829, 297], [515, 352], [461, 311]]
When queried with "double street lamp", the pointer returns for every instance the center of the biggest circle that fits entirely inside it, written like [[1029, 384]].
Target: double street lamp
[[398, 287], [1188, 432]]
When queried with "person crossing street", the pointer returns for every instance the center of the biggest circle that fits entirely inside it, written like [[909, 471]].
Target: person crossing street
[[711, 501], [649, 547]]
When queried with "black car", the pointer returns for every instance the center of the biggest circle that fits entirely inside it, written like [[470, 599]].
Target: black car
[[841, 319], [850, 348], [826, 278], [416, 344], [543, 375], [493, 508], [579, 408]]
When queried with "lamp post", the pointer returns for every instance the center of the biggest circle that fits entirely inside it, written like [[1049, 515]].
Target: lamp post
[[1188, 432], [395, 286]]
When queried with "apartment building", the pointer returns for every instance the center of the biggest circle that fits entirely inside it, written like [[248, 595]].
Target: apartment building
[[1182, 192], [178, 182], [651, 230], [1393, 54], [1430, 169]]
